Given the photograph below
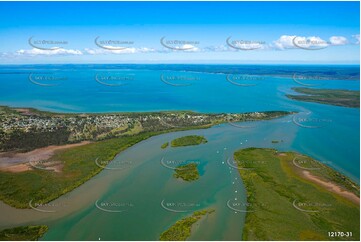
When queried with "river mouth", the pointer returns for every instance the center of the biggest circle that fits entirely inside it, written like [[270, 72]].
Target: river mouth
[[136, 197], [142, 199]]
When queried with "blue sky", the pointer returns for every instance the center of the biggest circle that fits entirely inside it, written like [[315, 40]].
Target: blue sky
[[131, 32]]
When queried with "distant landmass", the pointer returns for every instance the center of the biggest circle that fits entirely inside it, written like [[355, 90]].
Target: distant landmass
[[345, 98]]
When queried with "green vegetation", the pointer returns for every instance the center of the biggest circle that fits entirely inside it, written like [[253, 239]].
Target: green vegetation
[[188, 140], [165, 145], [188, 172], [275, 184], [16, 189], [41, 186], [23, 233], [22, 140], [181, 230], [345, 98], [26, 129]]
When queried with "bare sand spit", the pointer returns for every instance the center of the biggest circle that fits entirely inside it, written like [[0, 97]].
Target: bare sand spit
[[331, 187]]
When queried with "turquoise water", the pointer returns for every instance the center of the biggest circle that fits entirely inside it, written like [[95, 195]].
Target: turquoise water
[[327, 133]]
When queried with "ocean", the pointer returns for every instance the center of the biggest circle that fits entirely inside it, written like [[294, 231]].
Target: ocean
[[327, 133]]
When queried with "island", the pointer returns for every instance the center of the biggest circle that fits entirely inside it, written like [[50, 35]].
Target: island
[[165, 145], [344, 98], [58, 152], [293, 189], [188, 140], [188, 172], [24, 233], [181, 230]]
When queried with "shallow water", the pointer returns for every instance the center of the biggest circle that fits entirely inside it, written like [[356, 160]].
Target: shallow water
[[139, 182]]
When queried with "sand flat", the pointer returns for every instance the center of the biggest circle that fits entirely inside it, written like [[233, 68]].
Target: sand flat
[[331, 187], [19, 162]]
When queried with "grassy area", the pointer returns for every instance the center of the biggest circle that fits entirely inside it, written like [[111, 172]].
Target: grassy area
[[274, 184], [41, 186], [181, 230], [188, 140], [24, 233], [16, 189], [165, 145], [345, 98], [188, 172]]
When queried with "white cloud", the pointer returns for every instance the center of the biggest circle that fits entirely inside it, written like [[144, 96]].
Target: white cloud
[[60, 51], [293, 41], [188, 48], [131, 50], [218, 48], [338, 40], [248, 45], [284, 42]]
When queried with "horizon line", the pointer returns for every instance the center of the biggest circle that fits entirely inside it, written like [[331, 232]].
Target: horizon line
[[147, 63]]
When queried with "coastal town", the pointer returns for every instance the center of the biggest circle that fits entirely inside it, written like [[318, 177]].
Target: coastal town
[[44, 128]]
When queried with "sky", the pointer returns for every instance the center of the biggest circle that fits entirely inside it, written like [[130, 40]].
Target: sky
[[180, 32]]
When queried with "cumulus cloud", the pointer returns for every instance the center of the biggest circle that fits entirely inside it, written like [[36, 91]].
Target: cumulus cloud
[[294, 41], [188, 48], [338, 40], [59, 51], [110, 50], [284, 42], [248, 45]]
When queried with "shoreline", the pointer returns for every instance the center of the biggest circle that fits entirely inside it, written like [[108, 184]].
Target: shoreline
[[73, 160], [281, 192], [38, 110], [332, 187], [21, 161]]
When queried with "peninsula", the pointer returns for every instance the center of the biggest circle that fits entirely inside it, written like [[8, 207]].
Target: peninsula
[[293, 189], [40, 149]]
